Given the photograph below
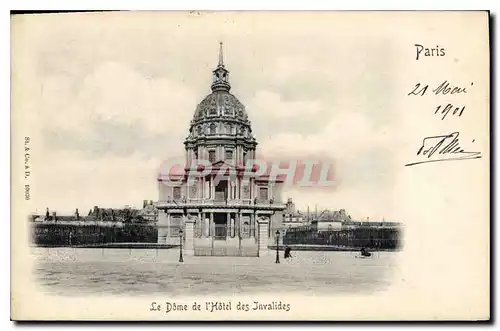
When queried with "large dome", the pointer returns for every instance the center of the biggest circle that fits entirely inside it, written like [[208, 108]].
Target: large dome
[[220, 113], [220, 104]]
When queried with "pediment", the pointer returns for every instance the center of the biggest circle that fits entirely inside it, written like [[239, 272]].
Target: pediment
[[222, 164]]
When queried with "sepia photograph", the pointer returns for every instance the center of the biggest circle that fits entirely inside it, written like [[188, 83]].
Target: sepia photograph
[[250, 166]]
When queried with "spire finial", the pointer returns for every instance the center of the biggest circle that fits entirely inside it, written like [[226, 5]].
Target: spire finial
[[220, 76], [221, 56]]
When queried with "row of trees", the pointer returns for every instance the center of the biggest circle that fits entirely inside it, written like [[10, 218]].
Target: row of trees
[[126, 215]]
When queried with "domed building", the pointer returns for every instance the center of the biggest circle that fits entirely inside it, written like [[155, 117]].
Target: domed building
[[221, 202]]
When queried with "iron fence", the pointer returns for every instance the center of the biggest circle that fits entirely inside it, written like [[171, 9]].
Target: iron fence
[[379, 238], [222, 231], [74, 235], [55, 235]]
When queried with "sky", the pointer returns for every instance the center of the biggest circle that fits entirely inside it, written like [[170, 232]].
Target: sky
[[111, 98]]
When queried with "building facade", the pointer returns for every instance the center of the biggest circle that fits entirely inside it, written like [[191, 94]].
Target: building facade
[[330, 220], [293, 218], [218, 195]]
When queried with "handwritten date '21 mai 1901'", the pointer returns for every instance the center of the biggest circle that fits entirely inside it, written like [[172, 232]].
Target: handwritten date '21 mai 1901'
[[443, 147]]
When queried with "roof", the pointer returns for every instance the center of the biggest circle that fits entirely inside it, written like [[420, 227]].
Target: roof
[[336, 215], [372, 223]]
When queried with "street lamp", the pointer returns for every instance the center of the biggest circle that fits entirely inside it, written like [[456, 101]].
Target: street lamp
[[277, 246], [180, 250]]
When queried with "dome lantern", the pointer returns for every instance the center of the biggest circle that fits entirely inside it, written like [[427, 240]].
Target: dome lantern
[[220, 75]]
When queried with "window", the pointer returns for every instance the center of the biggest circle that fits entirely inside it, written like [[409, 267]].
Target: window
[[246, 192], [212, 128], [229, 155], [244, 158], [211, 156], [177, 193], [263, 193]]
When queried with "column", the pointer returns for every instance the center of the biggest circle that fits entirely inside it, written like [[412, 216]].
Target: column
[[250, 187], [212, 225], [199, 188], [238, 224], [232, 227], [263, 241], [228, 225], [162, 229], [252, 225], [255, 190], [168, 226], [189, 242], [200, 222], [206, 227], [238, 188], [209, 187]]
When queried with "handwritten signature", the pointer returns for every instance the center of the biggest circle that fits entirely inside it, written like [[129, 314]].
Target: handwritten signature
[[443, 148]]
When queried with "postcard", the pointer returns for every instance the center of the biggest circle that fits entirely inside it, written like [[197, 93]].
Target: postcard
[[286, 166]]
